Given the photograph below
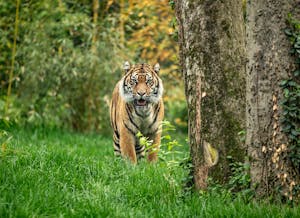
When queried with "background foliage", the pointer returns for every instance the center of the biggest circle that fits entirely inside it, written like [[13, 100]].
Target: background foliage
[[67, 63]]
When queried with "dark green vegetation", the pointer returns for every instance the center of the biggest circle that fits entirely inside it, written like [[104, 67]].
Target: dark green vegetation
[[291, 91], [53, 173], [69, 56]]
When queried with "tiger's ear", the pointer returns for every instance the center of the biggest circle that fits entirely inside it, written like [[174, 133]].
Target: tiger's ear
[[156, 68], [126, 66]]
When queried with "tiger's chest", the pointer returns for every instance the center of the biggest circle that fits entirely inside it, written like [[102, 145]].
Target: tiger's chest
[[148, 124], [145, 124]]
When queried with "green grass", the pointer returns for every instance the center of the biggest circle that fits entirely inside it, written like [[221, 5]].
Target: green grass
[[60, 174]]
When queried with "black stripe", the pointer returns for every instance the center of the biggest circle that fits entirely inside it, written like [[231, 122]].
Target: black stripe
[[128, 107], [140, 150], [137, 147], [156, 115], [115, 127], [130, 118], [118, 151], [158, 106], [130, 130], [117, 134], [124, 81], [137, 113], [117, 144], [125, 78], [116, 138]]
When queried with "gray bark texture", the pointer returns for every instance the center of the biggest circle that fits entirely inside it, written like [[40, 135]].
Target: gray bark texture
[[212, 58], [268, 63]]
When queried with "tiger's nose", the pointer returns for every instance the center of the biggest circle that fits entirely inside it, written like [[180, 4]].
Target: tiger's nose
[[141, 93]]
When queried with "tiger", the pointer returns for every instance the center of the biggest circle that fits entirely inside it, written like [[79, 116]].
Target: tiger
[[137, 106]]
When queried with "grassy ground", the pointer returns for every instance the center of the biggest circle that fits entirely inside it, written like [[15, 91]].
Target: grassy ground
[[60, 174]]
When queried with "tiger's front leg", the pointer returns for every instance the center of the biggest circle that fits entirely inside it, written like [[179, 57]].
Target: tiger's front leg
[[152, 156], [127, 145]]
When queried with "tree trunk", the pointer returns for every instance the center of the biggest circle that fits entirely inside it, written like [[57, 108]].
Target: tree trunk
[[269, 62], [211, 37]]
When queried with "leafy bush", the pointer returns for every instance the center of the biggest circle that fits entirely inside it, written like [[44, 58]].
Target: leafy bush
[[59, 79], [67, 64], [240, 180], [169, 149]]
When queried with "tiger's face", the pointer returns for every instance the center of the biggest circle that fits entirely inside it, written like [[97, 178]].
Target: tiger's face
[[141, 85]]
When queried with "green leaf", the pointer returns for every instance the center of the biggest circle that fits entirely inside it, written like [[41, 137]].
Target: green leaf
[[286, 92], [297, 45], [288, 32], [139, 134], [292, 83], [287, 128], [283, 82], [296, 73], [295, 133], [292, 51]]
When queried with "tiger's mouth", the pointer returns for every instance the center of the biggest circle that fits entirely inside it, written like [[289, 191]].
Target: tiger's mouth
[[140, 102]]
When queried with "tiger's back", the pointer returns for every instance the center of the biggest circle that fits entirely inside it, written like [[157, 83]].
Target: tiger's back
[[137, 106]]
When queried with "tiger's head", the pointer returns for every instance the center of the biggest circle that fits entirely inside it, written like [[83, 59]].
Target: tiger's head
[[141, 85]]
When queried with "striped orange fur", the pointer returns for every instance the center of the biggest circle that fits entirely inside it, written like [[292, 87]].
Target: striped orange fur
[[137, 106]]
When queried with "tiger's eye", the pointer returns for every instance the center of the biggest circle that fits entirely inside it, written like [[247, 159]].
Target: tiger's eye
[[149, 81]]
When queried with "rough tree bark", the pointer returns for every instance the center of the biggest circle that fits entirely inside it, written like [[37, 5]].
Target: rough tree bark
[[211, 38], [268, 63]]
